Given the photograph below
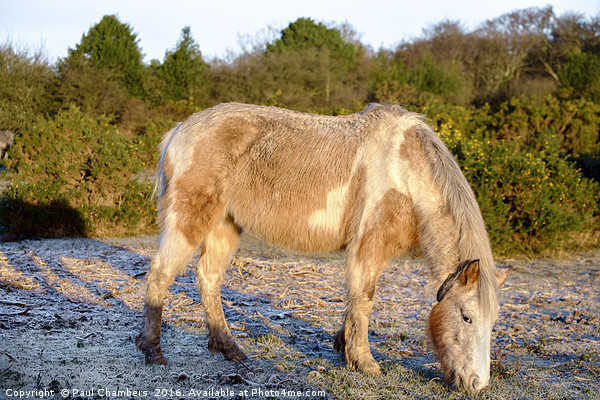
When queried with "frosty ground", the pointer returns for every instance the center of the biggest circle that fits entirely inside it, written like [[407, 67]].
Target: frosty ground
[[71, 308]]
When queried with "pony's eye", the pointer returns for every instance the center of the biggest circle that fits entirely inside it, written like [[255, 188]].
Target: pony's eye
[[467, 319]]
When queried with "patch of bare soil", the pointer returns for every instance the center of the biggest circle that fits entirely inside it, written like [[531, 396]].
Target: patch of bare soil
[[70, 309]]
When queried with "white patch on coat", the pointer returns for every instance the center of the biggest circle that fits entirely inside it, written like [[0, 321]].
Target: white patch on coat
[[385, 169], [330, 218], [180, 148], [419, 185]]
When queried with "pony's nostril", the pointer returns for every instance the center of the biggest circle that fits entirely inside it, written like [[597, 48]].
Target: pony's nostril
[[474, 381], [475, 384]]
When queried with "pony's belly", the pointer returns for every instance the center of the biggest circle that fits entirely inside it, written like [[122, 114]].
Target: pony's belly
[[295, 227], [315, 243]]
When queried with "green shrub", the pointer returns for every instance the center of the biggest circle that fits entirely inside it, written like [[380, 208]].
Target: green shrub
[[532, 202], [73, 165], [26, 82], [581, 72], [529, 123], [574, 123]]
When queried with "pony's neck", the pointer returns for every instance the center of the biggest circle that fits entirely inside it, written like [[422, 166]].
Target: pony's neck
[[439, 243]]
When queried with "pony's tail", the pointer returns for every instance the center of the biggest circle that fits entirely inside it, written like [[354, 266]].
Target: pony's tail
[[160, 184]]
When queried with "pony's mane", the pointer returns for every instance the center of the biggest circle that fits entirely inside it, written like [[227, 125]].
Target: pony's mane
[[462, 204]]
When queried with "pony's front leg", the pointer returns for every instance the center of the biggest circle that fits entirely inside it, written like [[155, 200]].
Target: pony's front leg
[[217, 250], [390, 230], [353, 338]]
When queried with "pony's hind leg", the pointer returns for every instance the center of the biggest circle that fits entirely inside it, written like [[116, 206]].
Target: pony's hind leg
[[217, 249], [171, 260]]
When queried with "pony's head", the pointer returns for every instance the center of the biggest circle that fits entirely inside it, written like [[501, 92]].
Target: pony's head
[[461, 324]]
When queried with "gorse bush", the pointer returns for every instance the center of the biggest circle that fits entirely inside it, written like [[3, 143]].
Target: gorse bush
[[532, 194], [78, 166], [572, 125]]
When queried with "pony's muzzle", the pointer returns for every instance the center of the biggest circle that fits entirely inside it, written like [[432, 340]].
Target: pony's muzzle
[[473, 384]]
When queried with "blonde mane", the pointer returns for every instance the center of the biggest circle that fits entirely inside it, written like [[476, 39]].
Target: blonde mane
[[461, 202]]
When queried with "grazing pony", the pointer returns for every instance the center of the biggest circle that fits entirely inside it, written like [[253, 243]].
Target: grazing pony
[[377, 183]]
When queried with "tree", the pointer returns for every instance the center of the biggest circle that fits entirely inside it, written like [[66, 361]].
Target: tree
[[427, 76], [503, 47], [318, 55], [305, 35], [388, 77], [446, 41], [573, 51], [95, 90], [112, 46], [183, 70], [26, 86]]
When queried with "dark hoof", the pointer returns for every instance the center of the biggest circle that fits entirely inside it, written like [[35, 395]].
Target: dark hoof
[[155, 356], [153, 353], [226, 346], [235, 354], [339, 341]]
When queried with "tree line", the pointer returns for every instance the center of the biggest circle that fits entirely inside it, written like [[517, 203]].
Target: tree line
[[312, 67]]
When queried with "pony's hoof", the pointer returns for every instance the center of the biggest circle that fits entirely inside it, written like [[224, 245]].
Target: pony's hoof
[[364, 363], [235, 354], [370, 367], [339, 342], [226, 346], [153, 354], [156, 358]]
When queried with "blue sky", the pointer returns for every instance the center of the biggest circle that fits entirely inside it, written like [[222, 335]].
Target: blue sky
[[221, 26]]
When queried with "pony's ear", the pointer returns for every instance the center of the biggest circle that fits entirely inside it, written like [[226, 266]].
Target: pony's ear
[[466, 273], [470, 275], [502, 275]]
